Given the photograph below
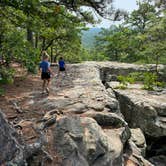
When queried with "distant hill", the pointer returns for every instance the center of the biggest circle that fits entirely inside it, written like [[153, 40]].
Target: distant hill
[[88, 37]]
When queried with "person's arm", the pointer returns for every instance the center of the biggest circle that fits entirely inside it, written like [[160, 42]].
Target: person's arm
[[49, 69], [64, 64], [40, 68]]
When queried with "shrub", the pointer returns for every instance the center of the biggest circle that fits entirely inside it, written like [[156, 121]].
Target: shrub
[[7, 75], [123, 82], [149, 81], [2, 91], [137, 76]]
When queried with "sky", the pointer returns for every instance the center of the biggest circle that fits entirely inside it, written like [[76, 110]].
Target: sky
[[128, 5]]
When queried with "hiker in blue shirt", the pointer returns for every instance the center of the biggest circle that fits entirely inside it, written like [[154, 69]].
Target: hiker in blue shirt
[[62, 66], [45, 72]]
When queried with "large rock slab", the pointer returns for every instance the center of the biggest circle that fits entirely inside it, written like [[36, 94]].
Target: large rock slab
[[144, 110], [82, 142], [14, 150], [86, 92], [11, 150], [110, 70], [139, 139]]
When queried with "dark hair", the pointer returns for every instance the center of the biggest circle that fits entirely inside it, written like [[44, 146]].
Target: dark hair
[[61, 58]]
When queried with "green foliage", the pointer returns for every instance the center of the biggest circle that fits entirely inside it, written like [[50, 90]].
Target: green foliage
[[123, 82], [28, 27], [32, 60], [126, 79], [2, 91], [121, 86], [7, 75], [161, 84], [136, 76], [92, 55], [140, 39], [150, 80], [88, 37]]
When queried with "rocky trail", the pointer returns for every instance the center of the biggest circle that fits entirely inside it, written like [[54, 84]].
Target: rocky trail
[[84, 121]]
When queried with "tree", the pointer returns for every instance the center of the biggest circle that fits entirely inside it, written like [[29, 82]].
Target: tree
[[28, 27], [141, 18], [141, 38]]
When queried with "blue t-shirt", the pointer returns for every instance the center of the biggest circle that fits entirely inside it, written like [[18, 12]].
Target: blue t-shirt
[[44, 65], [61, 64]]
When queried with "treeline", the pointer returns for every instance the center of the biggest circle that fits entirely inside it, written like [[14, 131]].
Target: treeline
[[29, 26], [140, 38]]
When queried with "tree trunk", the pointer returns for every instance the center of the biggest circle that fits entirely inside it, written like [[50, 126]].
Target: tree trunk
[[30, 36], [157, 63], [36, 40], [44, 43], [51, 54]]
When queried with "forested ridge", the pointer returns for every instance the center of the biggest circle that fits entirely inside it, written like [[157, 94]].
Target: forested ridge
[[28, 27], [140, 38], [59, 27]]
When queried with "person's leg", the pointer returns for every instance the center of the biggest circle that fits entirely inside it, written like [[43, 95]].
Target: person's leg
[[58, 73], [65, 72], [43, 86], [47, 86]]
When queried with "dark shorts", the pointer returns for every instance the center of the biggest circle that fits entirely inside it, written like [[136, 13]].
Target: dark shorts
[[45, 75], [62, 69]]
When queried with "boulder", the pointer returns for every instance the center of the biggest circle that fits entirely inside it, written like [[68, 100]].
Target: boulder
[[107, 119], [81, 141], [133, 156], [11, 149], [138, 138], [144, 110]]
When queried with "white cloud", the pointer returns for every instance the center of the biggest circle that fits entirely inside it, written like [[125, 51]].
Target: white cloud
[[128, 5]]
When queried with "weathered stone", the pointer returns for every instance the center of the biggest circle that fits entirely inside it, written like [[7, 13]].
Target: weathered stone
[[143, 110], [132, 154], [107, 119], [138, 138], [77, 108], [82, 142], [158, 160], [87, 92], [108, 69], [98, 135], [11, 149]]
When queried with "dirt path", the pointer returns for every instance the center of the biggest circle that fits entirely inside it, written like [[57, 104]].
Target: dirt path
[[21, 103]]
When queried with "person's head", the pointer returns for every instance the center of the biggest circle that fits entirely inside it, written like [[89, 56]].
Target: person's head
[[45, 56], [61, 58]]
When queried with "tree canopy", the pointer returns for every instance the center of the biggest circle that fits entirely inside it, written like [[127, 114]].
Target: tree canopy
[[140, 38]]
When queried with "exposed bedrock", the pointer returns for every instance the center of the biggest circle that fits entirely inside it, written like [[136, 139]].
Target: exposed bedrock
[[144, 110], [110, 70], [11, 148], [82, 142], [92, 124]]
